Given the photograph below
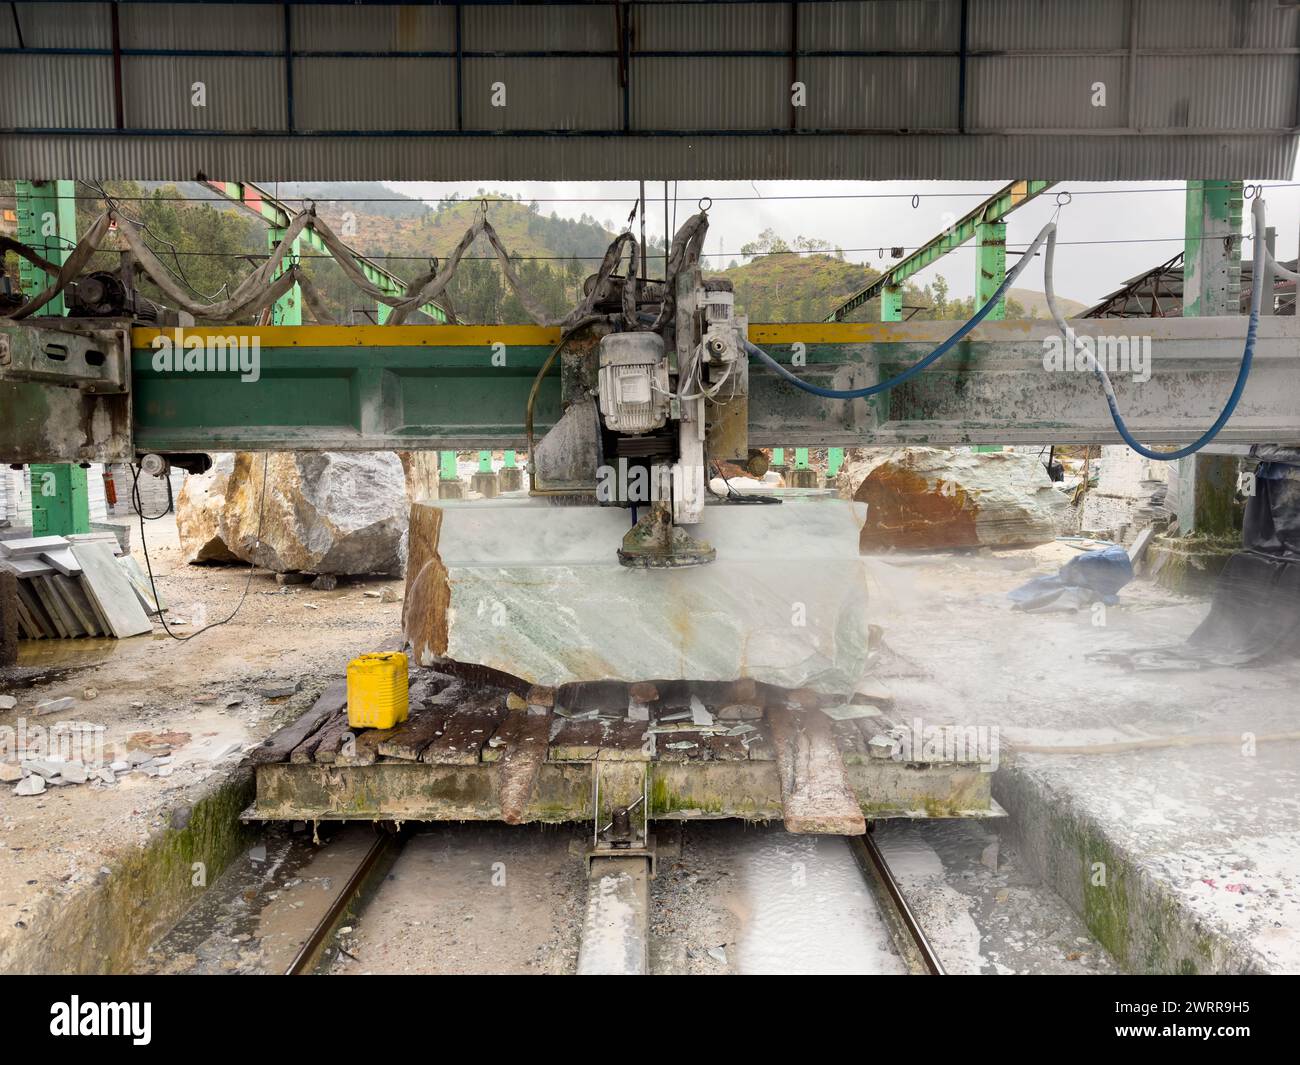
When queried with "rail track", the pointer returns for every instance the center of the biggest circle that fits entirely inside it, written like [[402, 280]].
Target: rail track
[[905, 930]]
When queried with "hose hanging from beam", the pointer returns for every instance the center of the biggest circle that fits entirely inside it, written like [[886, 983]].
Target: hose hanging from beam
[[1048, 234]]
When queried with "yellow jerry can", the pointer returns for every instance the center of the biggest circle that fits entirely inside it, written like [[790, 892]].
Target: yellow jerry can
[[377, 690]]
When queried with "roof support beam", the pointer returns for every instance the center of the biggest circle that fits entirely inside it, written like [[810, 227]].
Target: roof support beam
[[992, 210]]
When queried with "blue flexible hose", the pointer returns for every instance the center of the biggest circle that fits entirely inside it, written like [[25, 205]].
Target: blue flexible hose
[[1049, 232], [911, 371]]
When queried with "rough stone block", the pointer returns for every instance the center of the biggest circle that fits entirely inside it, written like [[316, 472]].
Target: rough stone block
[[537, 591], [485, 483], [924, 498]]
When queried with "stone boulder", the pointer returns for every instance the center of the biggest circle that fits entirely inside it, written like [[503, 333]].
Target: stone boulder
[[326, 512], [923, 498], [199, 504]]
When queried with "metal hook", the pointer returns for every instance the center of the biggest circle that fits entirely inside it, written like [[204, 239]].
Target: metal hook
[[1069, 198], [705, 200], [1249, 192], [916, 201]]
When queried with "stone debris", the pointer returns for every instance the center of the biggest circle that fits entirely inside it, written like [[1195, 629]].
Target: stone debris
[[924, 499], [55, 706], [7, 702], [32, 785], [699, 714], [279, 691], [325, 582], [850, 711], [9, 773]]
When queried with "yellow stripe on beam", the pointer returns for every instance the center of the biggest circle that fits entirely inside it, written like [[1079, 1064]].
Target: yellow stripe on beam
[[392, 336], [367, 336]]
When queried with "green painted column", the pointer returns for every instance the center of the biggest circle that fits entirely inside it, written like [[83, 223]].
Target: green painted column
[[509, 460], [287, 310], [991, 266], [1203, 495], [778, 456], [1212, 249], [447, 466], [801, 458], [60, 500], [891, 303], [485, 462], [834, 460], [47, 221]]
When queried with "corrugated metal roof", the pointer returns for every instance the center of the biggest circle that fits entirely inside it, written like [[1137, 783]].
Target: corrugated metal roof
[[396, 28], [1205, 70], [213, 27], [354, 94], [1061, 96], [934, 25], [239, 94], [869, 157]]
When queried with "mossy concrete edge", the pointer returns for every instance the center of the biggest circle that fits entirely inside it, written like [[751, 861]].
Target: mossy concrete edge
[[1140, 920], [108, 925]]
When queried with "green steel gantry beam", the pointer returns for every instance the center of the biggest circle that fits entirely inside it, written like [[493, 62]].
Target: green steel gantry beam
[[278, 215], [984, 224]]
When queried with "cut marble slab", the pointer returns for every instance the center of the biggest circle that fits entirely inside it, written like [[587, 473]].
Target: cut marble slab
[[27, 568], [110, 591], [536, 591], [62, 561], [142, 586], [31, 547]]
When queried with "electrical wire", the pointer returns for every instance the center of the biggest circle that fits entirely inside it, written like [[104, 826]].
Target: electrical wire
[[1012, 249], [144, 548]]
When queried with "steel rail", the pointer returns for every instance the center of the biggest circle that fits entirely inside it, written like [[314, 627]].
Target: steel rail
[[909, 934], [307, 954]]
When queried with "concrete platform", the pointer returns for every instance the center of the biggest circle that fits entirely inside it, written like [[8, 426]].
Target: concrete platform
[[1164, 807]]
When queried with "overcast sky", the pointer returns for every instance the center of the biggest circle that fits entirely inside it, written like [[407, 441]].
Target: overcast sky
[[1149, 222]]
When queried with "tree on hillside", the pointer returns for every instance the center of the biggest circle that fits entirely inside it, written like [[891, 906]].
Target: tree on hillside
[[768, 243]]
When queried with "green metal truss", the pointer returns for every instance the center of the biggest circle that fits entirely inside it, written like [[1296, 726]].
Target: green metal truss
[[982, 224]]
